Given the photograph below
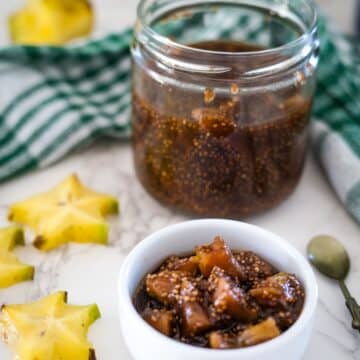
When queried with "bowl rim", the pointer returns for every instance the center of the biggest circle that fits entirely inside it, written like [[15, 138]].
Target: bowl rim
[[309, 282]]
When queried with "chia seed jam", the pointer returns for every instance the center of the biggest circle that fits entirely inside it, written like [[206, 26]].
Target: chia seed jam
[[220, 126]]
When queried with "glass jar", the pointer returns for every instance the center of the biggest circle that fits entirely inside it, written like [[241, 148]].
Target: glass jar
[[222, 96]]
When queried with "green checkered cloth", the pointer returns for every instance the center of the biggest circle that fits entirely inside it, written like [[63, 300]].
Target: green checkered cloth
[[55, 100], [336, 129]]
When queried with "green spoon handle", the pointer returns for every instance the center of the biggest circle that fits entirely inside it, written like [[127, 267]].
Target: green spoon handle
[[352, 305]]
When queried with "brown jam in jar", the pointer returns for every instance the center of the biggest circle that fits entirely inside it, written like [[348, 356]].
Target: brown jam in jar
[[225, 143]]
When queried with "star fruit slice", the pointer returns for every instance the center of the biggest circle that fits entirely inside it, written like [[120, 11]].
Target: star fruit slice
[[51, 22], [49, 329], [70, 212], [12, 271]]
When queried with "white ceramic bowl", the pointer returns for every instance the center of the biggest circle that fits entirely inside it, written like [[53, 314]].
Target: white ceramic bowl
[[145, 343]]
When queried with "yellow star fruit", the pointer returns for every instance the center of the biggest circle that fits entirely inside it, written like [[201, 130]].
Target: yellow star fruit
[[70, 212], [51, 22], [12, 271], [49, 329]]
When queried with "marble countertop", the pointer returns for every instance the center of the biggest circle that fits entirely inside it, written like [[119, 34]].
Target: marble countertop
[[89, 273]]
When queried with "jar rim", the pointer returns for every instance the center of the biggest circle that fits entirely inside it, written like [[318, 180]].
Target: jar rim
[[293, 44]]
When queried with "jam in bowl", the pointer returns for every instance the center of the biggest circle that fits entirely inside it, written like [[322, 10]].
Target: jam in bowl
[[253, 297]]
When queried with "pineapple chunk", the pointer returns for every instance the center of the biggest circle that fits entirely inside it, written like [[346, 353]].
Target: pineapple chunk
[[188, 265], [257, 334], [252, 335], [219, 254], [49, 329], [164, 285], [12, 271], [161, 320], [173, 287], [69, 212], [195, 319], [229, 298], [51, 22]]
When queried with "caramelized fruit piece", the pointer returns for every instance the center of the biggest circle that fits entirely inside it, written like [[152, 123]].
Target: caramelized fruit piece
[[255, 267], [259, 333], [193, 315], [69, 212], [164, 286], [222, 340], [51, 22], [252, 335], [218, 254], [49, 329], [175, 288], [284, 295], [278, 290], [188, 264], [161, 320], [194, 318], [216, 121], [229, 298], [12, 271]]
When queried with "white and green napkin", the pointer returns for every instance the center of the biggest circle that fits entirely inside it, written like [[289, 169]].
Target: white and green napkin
[[55, 100]]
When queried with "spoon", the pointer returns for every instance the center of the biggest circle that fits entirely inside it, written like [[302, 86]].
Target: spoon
[[329, 256]]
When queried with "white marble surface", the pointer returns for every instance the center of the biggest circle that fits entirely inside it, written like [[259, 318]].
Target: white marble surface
[[89, 273]]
